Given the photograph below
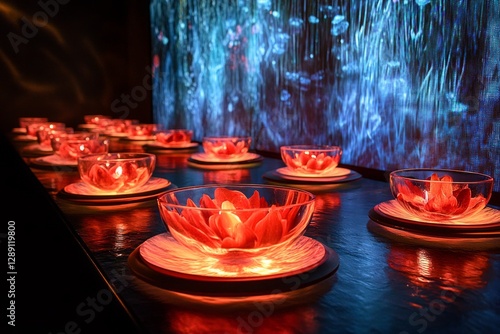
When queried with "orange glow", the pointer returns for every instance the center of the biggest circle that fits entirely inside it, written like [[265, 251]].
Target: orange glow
[[449, 269], [164, 252], [171, 161], [327, 201], [263, 319], [120, 228], [226, 176]]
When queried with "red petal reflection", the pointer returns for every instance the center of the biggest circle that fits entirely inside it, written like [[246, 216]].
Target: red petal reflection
[[424, 266]]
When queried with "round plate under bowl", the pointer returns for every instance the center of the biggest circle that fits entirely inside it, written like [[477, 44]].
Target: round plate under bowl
[[159, 147], [391, 214], [345, 175], [53, 162], [81, 193], [164, 263], [203, 161]]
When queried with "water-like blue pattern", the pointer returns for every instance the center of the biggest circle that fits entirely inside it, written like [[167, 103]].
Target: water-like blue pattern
[[396, 83]]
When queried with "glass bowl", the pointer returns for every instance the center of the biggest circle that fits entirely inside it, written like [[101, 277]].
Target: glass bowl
[[45, 135], [174, 136], [311, 159], [225, 147], [236, 220], [25, 121], [33, 128], [96, 119], [143, 129], [119, 172], [440, 194], [118, 126], [73, 146]]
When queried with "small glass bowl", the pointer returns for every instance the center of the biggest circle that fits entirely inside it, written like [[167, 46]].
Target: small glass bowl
[[174, 137], [33, 128], [121, 172], [311, 159], [25, 121], [236, 220], [96, 119], [440, 194], [118, 126], [73, 146], [143, 129], [226, 147], [45, 135]]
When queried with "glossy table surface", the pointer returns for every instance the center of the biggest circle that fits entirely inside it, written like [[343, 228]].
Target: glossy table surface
[[388, 281]]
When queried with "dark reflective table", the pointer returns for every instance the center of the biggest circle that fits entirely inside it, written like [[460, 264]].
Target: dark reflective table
[[387, 281]]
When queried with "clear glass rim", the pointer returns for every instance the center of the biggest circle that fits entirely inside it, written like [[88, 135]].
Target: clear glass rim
[[161, 199], [117, 156], [396, 174], [311, 147]]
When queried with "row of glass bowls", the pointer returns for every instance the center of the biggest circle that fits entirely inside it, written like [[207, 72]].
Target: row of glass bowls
[[249, 219]]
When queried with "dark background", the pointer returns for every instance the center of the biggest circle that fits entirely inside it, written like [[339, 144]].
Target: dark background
[[87, 54]]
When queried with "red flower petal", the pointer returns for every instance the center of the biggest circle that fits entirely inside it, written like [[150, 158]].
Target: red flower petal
[[197, 219], [269, 230], [463, 201], [237, 198], [184, 227], [99, 175], [243, 238]]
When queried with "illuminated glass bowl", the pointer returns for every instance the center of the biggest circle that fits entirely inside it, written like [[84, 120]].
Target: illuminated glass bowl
[[96, 119], [441, 194], [116, 172], [226, 147], [311, 159], [236, 220], [73, 146], [33, 128], [174, 136], [25, 121], [143, 129]]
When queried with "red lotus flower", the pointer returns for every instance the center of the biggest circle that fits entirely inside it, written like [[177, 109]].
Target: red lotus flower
[[174, 137], [311, 162], [226, 147], [232, 220], [120, 177], [441, 197], [72, 149]]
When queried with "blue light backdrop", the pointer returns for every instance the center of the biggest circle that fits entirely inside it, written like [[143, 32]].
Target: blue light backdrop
[[396, 83]]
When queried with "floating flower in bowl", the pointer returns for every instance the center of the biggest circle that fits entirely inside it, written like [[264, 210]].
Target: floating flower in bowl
[[174, 137], [116, 172], [33, 128], [143, 130], [311, 159], [72, 146], [25, 121], [441, 194], [236, 220], [226, 147]]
